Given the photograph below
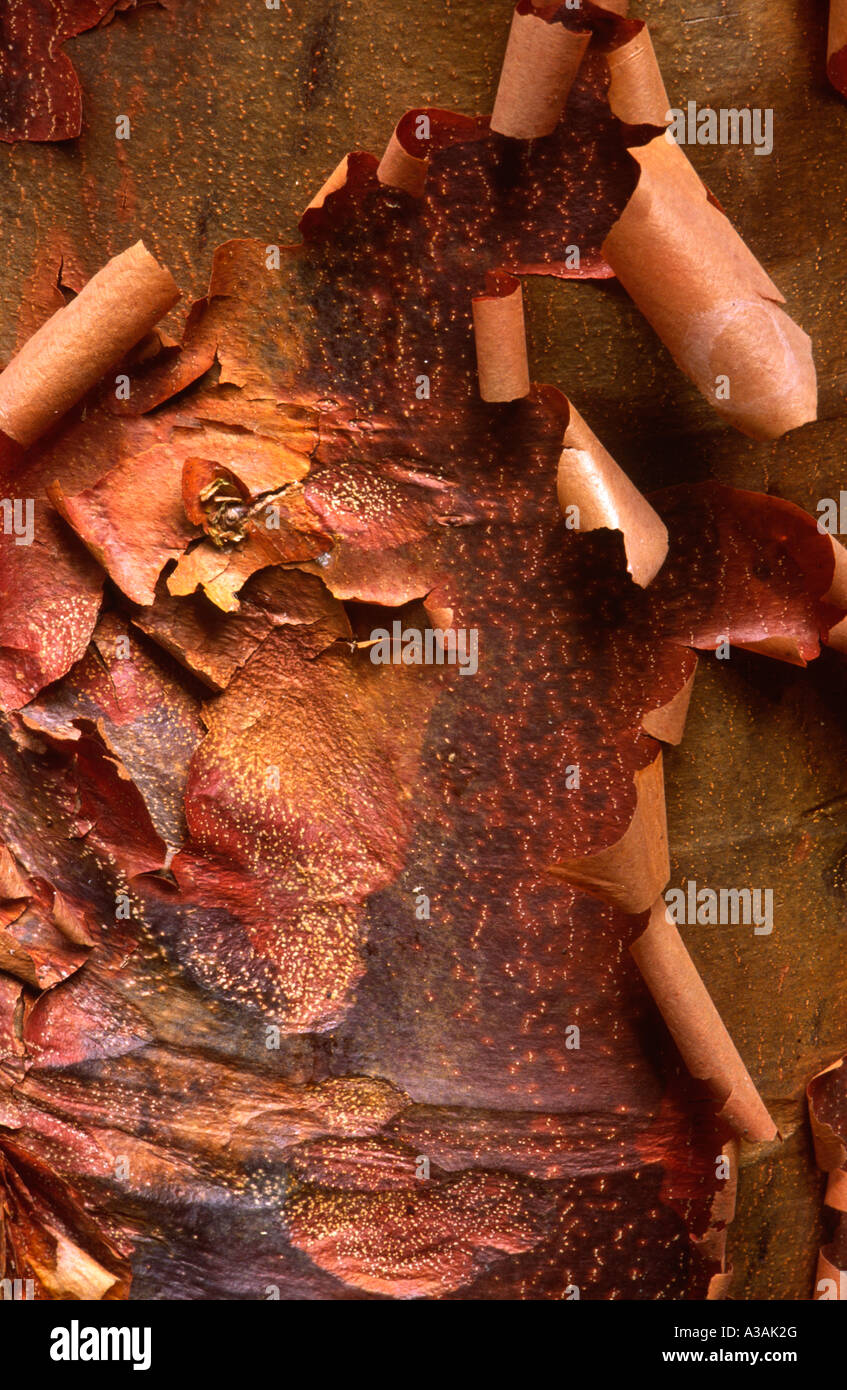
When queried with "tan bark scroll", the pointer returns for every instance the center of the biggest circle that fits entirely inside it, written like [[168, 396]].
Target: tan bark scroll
[[589, 479], [696, 1026], [402, 166], [713, 305], [830, 1281], [415, 138], [540, 64], [631, 872], [72, 350], [668, 723], [637, 90], [336, 180], [826, 1095], [500, 335], [719, 1286], [836, 49], [713, 1244]]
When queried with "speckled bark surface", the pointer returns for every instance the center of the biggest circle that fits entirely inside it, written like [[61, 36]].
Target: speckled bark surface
[[236, 119]]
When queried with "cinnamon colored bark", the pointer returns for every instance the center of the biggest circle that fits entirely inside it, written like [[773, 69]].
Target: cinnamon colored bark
[[261, 1053]]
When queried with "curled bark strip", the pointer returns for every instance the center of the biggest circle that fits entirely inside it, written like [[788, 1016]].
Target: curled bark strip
[[697, 1027], [713, 306], [830, 1280], [826, 1095], [668, 723], [71, 351], [766, 619], [721, 1216], [589, 479], [630, 873], [278, 839], [500, 337], [637, 90], [418, 135], [336, 180], [404, 164], [541, 61]]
